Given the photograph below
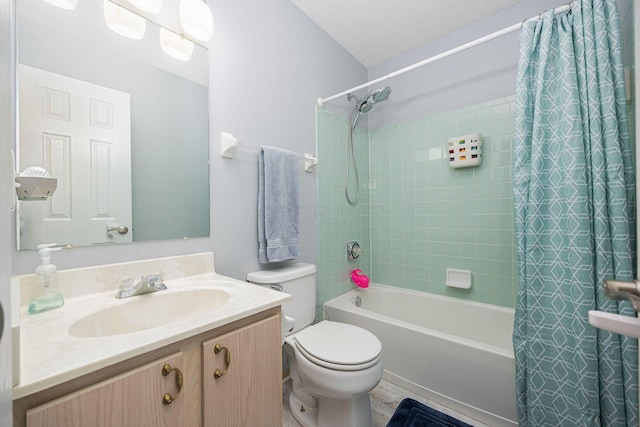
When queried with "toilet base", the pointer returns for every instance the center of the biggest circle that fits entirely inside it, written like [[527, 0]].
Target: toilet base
[[307, 416], [354, 412]]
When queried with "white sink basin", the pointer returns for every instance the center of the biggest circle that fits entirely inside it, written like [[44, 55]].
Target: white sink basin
[[148, 311]]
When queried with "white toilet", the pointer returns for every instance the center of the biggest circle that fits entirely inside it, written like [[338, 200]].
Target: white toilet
[[333, 365]]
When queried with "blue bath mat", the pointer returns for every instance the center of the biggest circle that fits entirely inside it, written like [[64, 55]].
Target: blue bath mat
[[415, 414]]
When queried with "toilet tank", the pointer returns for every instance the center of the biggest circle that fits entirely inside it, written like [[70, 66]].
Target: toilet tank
[[298, 280]]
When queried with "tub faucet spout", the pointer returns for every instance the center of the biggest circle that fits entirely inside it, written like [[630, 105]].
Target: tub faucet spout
[[147, 284]]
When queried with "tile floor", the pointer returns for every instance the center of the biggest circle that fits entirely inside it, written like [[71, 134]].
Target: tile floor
[[385, 398]]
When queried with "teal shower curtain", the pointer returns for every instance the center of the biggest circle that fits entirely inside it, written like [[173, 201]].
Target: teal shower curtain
[[574, 216]]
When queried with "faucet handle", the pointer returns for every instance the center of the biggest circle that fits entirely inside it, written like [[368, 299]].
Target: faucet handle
[[160, 275], [125, 282]]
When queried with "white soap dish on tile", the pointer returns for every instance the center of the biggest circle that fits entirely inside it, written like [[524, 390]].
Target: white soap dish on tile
[[458, 278]]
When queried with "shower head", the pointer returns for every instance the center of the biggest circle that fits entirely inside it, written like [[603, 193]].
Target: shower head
[[366, 104], [362, 106], [381, 94]]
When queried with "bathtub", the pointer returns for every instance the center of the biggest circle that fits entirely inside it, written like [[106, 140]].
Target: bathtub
[[454, 352]]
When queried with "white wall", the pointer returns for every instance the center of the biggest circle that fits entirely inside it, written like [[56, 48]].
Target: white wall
[[269, 64], [480, 74]]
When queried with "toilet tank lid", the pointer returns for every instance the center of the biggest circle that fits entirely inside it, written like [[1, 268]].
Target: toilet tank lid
[[279, 275]]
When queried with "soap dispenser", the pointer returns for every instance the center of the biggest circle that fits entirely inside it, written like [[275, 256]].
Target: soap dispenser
[[47, 275]]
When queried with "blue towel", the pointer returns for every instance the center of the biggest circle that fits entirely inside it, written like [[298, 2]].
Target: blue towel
[[277, 205]]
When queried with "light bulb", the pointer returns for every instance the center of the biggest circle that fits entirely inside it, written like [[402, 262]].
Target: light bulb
[[123, 21], [175, 45], [196, 19]]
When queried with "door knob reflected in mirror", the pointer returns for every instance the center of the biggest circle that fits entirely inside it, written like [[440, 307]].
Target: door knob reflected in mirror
[[112, 229]]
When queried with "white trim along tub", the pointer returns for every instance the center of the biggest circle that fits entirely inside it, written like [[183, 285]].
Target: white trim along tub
[[456, 353]]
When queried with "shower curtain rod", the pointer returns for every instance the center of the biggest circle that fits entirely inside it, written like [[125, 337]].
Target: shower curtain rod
[[440, 56]]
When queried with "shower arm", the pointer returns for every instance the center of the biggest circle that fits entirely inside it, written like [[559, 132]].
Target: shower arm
[[359, 102]]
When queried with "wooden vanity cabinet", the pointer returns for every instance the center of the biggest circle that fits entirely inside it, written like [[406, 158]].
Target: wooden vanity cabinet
[[131, 393], [132, 399], [240, 385]]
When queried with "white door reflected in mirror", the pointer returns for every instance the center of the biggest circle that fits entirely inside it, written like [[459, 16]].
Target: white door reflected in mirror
[[81, 133]]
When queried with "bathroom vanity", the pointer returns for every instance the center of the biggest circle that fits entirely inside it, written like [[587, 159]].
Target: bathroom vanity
[[88, 364]]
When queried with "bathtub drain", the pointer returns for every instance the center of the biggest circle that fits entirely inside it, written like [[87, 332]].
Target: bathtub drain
[[357, 301]]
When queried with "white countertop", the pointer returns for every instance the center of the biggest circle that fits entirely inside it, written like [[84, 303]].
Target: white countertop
[[51, 356]]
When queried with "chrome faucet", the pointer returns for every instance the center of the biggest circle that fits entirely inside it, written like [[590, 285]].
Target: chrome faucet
[[147, 284]]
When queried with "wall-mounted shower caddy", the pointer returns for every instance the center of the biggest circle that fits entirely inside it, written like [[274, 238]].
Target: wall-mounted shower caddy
[[465, 150]]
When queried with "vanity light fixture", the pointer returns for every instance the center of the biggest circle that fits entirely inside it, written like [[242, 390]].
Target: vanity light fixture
[[123, 21], [196, 19], [63, 4], [149, 6], [175, 45]]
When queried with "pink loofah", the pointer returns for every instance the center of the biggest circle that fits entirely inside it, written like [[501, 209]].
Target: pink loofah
[[359, 279]]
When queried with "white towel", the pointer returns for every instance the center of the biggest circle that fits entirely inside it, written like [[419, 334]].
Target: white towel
[[277, 205]]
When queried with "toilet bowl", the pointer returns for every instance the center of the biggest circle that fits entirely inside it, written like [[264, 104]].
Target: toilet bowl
[[338, 364], [333, 365]]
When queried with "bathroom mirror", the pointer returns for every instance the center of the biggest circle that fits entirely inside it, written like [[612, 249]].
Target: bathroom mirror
[[70, 59]]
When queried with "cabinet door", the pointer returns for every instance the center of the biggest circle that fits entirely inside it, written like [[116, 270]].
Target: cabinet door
[[249, 393], [132, 399]]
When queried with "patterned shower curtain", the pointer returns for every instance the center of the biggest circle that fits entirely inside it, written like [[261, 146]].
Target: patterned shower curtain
[[574, 215]]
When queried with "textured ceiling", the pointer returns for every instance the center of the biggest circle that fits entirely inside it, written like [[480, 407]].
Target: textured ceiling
[[374, 31]]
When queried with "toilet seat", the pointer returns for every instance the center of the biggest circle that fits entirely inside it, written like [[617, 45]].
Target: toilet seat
[[339, 346]]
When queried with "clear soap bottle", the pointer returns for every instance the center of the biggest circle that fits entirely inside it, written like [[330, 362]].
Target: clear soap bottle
[[49, 298]]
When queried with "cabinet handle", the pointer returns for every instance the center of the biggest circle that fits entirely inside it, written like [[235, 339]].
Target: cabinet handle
[[167, 399], [227, 360]]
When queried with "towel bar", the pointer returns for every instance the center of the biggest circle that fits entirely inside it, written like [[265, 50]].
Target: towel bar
[[229, 144]]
